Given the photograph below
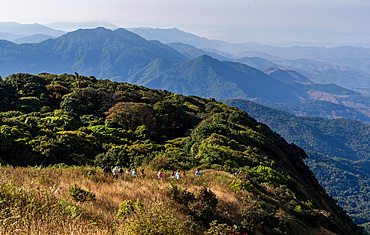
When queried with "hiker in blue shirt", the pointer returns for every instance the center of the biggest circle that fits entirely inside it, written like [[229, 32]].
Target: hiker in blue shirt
[[133, 174]]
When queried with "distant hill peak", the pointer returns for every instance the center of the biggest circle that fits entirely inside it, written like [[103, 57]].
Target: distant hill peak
[[286, 75], [100, 33], [206, 58], [28, 29], [72, 26]]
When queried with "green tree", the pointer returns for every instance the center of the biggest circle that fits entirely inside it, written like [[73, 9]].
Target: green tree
[[27, 84], [131, 115]]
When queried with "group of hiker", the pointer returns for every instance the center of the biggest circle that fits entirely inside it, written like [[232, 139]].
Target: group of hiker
[[133, 173], [119, 171], [238, 173]]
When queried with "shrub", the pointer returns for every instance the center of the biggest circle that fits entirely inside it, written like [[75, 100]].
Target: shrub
[[158, 163], [216, 228], [153, 219], [204, 207], [253, 215], [191, 226], [238, 185], [81, 195], [181, 196], [127, 207]]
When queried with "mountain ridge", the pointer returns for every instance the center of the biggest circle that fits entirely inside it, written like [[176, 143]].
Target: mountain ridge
[[210, 75], [82, 51], [350, 60], [27, 33]]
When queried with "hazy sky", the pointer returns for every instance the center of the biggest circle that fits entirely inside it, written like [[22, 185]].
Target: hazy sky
[[232, 20]]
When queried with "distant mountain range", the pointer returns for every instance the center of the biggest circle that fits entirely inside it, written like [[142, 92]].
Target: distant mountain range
[[345, 66], [29, 33], [125, 56], [175, 35], [99, 52], [35, 33], [323, 100]]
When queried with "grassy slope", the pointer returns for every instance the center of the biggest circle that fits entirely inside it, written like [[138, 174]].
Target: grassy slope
[[39, 200]]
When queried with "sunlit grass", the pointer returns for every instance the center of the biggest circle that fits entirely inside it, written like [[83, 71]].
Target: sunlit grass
[[37, 200]]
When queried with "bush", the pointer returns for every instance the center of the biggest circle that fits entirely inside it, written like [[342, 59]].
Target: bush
[[127, 207], [238, 185], [216, 228], [158, 163], [153, 219], [81, 195], [204, 207], [181, 196]]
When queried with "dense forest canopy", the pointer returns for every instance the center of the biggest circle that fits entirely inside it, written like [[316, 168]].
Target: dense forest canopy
[[347, 181], [48, 119]]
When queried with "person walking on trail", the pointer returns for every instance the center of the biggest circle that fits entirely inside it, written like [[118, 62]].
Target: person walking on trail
[[142, 174], [133, 174], [183, 173], [115, 172], [128, 172], [178, 175], [198, 173], [160, 175], [172, 176], [106, 170]]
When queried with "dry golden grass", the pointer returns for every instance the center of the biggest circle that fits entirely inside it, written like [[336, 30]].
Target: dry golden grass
[[53, 211]]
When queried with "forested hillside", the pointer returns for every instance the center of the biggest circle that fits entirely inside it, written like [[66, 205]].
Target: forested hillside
[[343, 138], [207, 77], [51, 119], [347, 181], [343, 165]]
